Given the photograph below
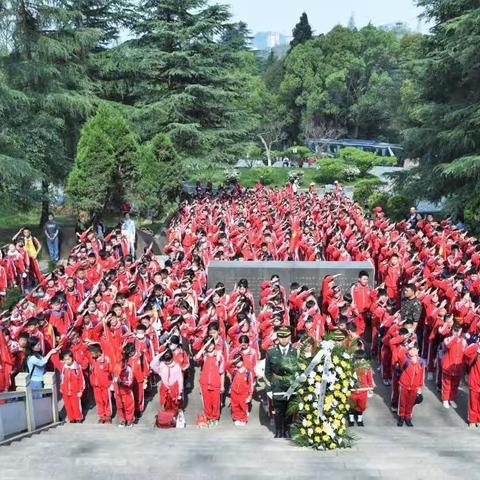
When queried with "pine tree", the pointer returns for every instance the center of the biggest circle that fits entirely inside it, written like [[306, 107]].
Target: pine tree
[[106, 166], [184, 85], [159, 176], [302, 31], [89, 182], [237, 36], [444, 131], [106, 17], [46, 65]]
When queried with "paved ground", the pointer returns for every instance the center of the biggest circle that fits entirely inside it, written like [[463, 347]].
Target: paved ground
[[440, 446]]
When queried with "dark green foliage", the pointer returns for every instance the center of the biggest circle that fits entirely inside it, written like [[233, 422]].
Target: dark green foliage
[[365, 188], [346, 79], [105, 169], [302, 31], [442, 123], [184, 82], [12, 298], [329, 170], [44, 67], [160, 173]]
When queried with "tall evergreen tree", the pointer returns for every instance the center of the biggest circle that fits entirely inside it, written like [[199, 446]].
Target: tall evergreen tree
[[106, 17], [159, 177], [237, 36], [106, 166], [302, 31], [46, 65], [444, 131], [184, 83]]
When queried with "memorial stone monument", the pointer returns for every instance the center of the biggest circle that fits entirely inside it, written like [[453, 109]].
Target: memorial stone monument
[[305, 273]]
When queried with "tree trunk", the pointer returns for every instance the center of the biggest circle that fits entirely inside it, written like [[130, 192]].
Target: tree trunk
[[268, 151], [45, 203]]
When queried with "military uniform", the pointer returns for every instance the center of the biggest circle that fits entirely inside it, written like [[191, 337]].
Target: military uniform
[[274, 371]]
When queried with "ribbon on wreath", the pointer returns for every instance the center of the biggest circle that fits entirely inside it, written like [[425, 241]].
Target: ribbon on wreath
[[324, 352]]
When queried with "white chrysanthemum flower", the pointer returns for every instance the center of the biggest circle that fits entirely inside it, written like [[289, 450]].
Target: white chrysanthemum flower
[[300, 406], [328, 429], [310, 397], [346, 355], [339, 369], [311, 381], [315, 404], [304, 422], [310, 431]]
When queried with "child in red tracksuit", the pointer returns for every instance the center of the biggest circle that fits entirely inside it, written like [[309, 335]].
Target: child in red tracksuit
[[472, 358], [412, 379], [101, 382], [212, 379], [364, 390], [139, 366], [452, 363], [72, 385], [241, 391], [124, 399]]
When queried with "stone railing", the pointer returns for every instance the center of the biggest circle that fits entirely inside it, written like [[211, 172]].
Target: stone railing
[[27, 410]]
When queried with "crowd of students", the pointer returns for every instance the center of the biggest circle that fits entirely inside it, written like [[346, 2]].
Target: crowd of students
[[116, 326]]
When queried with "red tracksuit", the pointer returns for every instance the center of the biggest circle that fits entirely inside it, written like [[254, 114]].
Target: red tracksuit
[[452, 366], [101, 381], [210, 383], [140, 375], [472, 353], [124, 399], [359, 397], [362, 302], [411, 380], [240, 390], [72, 385]]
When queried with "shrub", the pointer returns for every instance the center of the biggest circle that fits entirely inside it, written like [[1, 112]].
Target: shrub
[[365, 188], [377, 199], [364, 161], [398, 207], [12, 298], [264, 175], [330, 170]]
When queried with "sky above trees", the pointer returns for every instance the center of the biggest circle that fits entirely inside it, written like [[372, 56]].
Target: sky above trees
[[281, 15]]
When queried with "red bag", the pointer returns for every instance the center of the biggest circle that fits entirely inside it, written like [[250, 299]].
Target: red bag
[[166, 419]]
